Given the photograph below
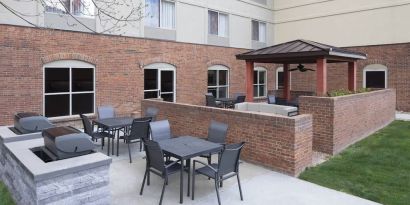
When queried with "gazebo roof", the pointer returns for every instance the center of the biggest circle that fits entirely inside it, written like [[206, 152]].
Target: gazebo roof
[[301, 51]]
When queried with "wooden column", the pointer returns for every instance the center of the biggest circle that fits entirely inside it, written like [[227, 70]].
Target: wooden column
[[352, 74], [249, 81], [286, 82], [321, 77]]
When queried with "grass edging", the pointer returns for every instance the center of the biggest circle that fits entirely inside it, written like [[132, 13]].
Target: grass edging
[[376, 168]]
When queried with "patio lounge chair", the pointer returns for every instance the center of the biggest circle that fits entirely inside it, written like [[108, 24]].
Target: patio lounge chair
[[217, 132], [157, 165], [211, 101], [227, 167], [88, 129], [139, 130]]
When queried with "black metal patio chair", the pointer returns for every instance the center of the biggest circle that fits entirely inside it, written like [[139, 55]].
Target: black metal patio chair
[[160, 130], [139, 130], [89, 129], [211, 101], [217, 133], [157, 165], [227, 167]]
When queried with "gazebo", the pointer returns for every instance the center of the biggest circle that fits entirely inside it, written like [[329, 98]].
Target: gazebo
[[301, 52]]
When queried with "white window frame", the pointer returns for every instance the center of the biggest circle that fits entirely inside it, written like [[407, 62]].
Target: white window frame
[[258, 70], [375, 67], [217, 86], [280, 69], [70, 64], [159, 15], [91, 16], [227, 26], [163, 67], [259, 30]]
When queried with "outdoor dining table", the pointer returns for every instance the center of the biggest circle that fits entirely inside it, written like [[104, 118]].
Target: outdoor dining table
[[113, 124], [226, 101], [186, 148]]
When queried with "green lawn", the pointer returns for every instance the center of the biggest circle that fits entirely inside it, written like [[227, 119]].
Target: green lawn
[[376, 168], [5, 198]]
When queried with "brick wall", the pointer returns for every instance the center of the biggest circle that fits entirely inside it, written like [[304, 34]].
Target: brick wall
[[119, 78], [396, 57], [277, 142], [341, 121]]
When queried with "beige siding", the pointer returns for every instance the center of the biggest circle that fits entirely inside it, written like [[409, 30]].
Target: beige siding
[[343, 22]]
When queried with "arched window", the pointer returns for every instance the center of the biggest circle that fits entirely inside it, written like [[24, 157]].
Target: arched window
[[259, 82], [69, 88], [375, 76], [218, 81], [280, 82], [160, 81]]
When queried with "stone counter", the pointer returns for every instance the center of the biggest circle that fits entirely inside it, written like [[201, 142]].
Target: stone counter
[[78, 180]]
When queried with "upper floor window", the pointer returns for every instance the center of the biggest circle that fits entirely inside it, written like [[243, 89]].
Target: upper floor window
[[218, 23], [160, 13], [258, 31], [375, 76], [69, 88], [74, 7], [218, 81], [259, 82]]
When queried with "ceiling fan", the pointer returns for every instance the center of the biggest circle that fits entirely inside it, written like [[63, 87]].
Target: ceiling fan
[[301, 68]]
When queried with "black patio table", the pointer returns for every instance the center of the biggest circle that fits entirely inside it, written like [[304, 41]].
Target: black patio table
[[112, 124], [226, 101], [185, 148]]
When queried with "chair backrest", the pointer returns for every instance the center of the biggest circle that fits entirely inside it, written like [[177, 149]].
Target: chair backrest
[[105, 112], [152, 112], [155, 156], [210, 100], [160, 130], [240, 99], [139, 128], [271, 99], [88, 127], [217, 132], [229, 161]]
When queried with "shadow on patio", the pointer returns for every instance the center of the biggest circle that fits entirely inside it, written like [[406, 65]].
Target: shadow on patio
[[260, 186]]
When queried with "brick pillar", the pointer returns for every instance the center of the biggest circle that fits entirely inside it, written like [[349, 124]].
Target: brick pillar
[[286, 82], [321, 77], [352, 71], [249, 81]]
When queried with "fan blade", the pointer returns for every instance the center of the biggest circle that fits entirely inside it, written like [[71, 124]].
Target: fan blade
[[293, 69]]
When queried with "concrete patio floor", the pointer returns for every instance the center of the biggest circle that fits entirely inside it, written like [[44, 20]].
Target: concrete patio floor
[[259, 185]]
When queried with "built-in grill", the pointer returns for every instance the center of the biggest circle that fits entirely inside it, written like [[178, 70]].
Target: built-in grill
[[66, 142], [29, 122]]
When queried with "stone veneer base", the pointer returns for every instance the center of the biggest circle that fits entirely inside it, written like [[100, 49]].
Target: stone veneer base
[[79, 180]]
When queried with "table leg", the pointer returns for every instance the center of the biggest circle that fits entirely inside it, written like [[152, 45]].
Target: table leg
[[112, 142], [188, 165], [118, 141], [108, 148], [181, 183]]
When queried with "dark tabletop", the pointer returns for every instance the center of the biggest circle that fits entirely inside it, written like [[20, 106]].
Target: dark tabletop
[[187, 147], [225, 99], [117, 122]]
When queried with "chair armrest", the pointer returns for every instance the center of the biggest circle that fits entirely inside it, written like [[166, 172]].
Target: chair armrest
[[171, 164], [213, 169]]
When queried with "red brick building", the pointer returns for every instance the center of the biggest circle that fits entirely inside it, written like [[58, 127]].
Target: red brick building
[[116, 67]]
